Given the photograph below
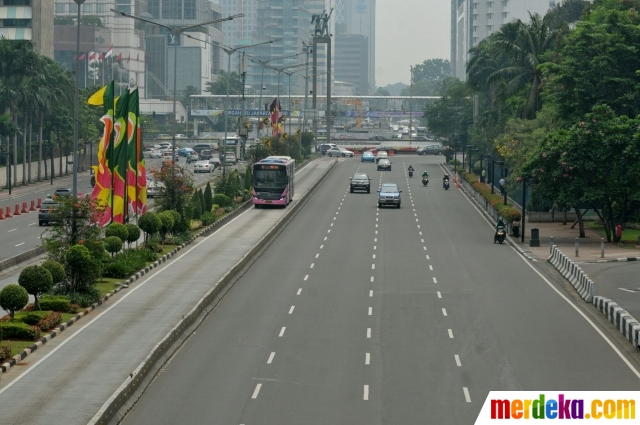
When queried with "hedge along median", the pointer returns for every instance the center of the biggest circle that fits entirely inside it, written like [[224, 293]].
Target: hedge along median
[[508, 212], [131, 390]]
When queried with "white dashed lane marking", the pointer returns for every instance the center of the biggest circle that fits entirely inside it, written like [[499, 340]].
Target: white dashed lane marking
[[439, 294], [444, 311], [271, 358], [368, 333], [256, 391], [282, 331], [450, 333], [293, 307], [299, 290], [467, 397], [458, 360]]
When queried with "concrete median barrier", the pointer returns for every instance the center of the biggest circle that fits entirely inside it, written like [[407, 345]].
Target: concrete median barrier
[[573, 273], [20, 258]]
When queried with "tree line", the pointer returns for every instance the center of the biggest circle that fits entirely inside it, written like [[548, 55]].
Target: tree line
[[556, 98]]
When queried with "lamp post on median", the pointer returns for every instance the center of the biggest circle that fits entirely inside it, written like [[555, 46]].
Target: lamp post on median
[[76, 105], [482, 172], [471, 158], [464, 149], [503, 174], [175, 33], [5, 152]]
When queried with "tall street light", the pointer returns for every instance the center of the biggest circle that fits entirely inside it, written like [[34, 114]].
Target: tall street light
[[175, 40], [229, 51], [76, 105]]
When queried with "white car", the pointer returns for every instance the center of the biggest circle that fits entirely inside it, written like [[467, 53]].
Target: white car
[[154, 188], [155, 153], [167, 155], [215, 162], [180, 136], [339, 152], [203, 166], [381, 155]]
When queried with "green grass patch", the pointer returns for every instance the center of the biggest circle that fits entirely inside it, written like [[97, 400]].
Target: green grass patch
[[16, 346], [629, 236], [68, 316], [107, 284]]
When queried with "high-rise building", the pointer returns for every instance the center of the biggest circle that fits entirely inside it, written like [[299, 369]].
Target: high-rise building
[[28, 20], [317, 7], [352, 62], [359, 17], [239, 31], [474, 20]]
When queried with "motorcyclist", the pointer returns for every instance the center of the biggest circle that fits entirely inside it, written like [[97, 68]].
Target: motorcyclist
[[410, 169], [500, 223], [425, 175], [189, 158], [445, 178]]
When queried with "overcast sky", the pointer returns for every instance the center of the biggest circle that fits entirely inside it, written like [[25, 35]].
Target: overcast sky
[[409, 32]]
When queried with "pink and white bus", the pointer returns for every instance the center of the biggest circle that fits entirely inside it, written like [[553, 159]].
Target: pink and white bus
[[273, 181]]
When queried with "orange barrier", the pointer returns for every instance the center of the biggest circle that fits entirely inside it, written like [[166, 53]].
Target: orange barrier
[[33, 205], [39, 203], [8, 214], [17, 211], [1, 213], [25, 210], [391, 152]]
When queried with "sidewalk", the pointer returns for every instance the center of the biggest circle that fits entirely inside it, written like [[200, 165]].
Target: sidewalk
[[564, 238], [19, 190]]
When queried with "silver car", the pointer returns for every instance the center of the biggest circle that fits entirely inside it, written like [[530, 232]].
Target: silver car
[[389, 194], [384, 164], [203, 166]]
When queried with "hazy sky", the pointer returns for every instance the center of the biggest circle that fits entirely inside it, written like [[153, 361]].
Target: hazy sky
[[409, 32]]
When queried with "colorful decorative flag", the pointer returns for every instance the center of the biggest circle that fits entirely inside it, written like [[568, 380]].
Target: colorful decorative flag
[[103, 171], [119, 58], [119, 157], [82, 57], [274, 109], [97, 99], [136, 172], [101, 57], [109, 52], [92, 56]]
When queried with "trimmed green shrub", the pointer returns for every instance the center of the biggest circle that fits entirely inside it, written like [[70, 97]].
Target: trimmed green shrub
[[177, 219], [50, 321], [58, 303], [207, 218], [508, 212], [166, 220], [36, 280], [133, 233], [150, 224], [19, 331], [80, 268], [203, 207], [118, 230], [222, 200], [195, 207], [126, 264], [13, 298], [85, 299], [113, 244], [56, 269], [31, 318]]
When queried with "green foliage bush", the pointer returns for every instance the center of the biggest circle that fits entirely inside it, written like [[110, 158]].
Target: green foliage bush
[[36, 280], [13, 298], [508, 212], [56, 269], [208, 198], [80, 268], [150, 224], [58, 303], [30, 317], [207, 218], [222, 200], [166, 223], [113, 244], [118, 230], [177, 221], [85, 299], [133, 233], [203, 207], [19, 331], [127, 263], [50, 321]]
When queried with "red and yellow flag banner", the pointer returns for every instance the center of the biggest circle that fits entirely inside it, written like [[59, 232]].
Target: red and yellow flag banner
[[103, 171]]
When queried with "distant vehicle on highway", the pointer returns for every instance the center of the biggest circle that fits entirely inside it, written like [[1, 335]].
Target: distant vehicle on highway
[[360, 181], [60, 192], [167, 155], [47, 212], [381, 155], [389, 194], [154, 188], [203, 146], [384, 164], [203, 166], [336, 151], [230, 158], [435, 149], [155, 153], [185, 151], [205, 154], [323, 148], [273, 181], [180, 136], [367, 157]]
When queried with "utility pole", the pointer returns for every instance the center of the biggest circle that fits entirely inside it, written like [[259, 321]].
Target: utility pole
[[411, 104]]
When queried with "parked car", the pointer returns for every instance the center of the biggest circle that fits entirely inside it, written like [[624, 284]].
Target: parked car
[[389, 194], [203, 166], [180, 136], [430, 150], [336, 151], [382, 155], [367, 157], [360, 181], [384, 164], [185, 151], [230, 158], [168, 155], [193, 157], [155, 153], [47, 212]]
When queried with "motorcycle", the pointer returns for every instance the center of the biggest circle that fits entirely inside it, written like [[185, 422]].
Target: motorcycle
[[425, 181], [93, 178], [446, 184], [500, 235], [410, 173]]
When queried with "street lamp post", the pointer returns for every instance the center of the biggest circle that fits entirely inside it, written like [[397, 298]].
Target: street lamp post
[[411, 105], [7, 154], [76, 105], [482, 172], [175, 33], [471, 158]]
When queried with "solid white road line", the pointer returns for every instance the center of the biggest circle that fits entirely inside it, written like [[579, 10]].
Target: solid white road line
[[31, 224], [367, 358], [371, 292], [299, 290], [282, 331], [466, 394], [458, 360], [293, 306], [435, 280], [430, 267], [306, 277], [370, 311], [450, 333], [368, 332], [271, 357], [366, 392], [21, 243], [439, 294], [256, 391], [444, 311]]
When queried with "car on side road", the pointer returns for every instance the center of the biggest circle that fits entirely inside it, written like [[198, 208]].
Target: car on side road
[[205, 154], [215, 162], [430, 150], [47, 212], [154, 188], [382, 155], [62, 192], [336, 151], [230, 158], [155, 153], [323, 148], [384, 164], [167, 156], [367, 157], [389, 194], [200, 147], [360, 181], [203, 166]]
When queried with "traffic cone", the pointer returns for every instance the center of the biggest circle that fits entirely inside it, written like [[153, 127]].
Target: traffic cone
[[33, 205], [1, 213], [25, 210], [39, 203], [8, 214], [17, 211]]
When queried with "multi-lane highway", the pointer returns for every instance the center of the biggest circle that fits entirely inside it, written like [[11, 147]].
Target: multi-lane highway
[[360, 315], [22, 233]]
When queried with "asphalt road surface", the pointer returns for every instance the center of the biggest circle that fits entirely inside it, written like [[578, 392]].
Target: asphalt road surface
[[619, 281], [22, 233], [360, 315]]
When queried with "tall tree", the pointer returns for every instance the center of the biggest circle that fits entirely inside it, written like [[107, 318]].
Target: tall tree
[[220, 85], [432, 70]]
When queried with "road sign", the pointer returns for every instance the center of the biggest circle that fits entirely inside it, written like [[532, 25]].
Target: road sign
[[173, 40]]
